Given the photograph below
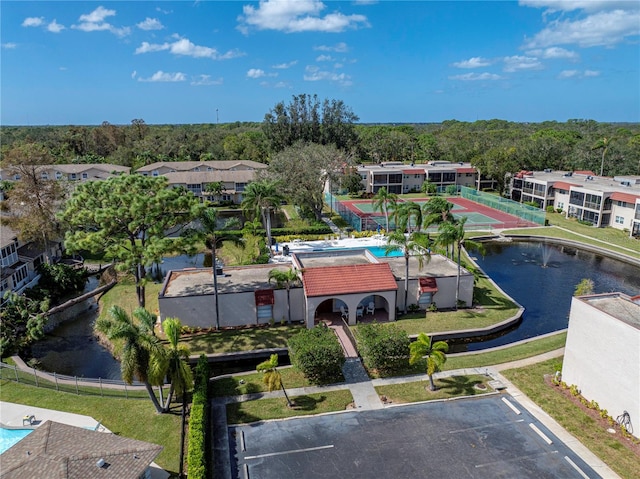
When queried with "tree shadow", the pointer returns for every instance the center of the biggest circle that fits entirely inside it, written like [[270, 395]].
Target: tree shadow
[[307, 403], [458, 385]]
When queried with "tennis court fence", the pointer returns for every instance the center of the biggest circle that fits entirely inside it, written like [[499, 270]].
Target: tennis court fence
[[525, 212]]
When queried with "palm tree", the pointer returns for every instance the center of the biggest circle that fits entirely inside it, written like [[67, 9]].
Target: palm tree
[[414, 244], [603, 144], [271, 376], [453, 233], [437, 210], [214, 189], [406, 212], [139, 348], [381, 202], [211, 234], [173, 363], [434, 352], [285, 279], [260, 199]]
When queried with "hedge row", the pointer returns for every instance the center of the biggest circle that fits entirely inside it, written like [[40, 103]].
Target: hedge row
[[309, 230], [196, 454], [318, 354], [385, 349]]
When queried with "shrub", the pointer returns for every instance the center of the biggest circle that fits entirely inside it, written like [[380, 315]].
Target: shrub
[[385, 348], [197, 452], [317, 353], [550, 209]]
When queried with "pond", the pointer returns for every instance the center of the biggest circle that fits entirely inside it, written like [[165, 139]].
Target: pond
[[542, 278]]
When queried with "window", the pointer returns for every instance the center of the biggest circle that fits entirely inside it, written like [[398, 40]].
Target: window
[[73, 176], [395, 178], [154, 173], [195, 188], [44, 175], [592, 201], [560, 205], [619, 220], [197, 168], [448, 177], [58, 175], [16, 177], [240, 187], [85, 176], [20, 275]]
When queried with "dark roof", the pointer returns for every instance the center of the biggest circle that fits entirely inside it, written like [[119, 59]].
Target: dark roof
[[60, 451]]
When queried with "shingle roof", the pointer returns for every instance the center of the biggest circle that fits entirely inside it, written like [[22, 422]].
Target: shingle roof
[[215, 164], [356, 278], [199, 177], [60, 451]]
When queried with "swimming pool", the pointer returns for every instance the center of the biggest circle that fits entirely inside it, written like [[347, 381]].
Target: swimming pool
[[9, 437], [377, 251]]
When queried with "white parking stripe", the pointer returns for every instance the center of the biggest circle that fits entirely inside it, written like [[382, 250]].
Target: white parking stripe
[[293, 451], [540, 433], [575, 466], [511, 406]]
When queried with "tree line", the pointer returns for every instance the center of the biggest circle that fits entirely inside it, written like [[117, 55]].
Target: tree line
[[493, 146]]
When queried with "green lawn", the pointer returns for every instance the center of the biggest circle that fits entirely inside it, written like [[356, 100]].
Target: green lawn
[[123, 294], [249, 339], [609, 238], [453, 386], [530, 380], [134, 418], [263, 409], [253, 383]]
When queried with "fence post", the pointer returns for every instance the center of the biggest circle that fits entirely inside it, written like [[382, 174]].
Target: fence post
[[76, 378], [100, 380], [15, 370], [56, 379], [35, 375]]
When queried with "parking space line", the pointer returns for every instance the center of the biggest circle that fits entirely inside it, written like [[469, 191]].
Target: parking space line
[[293, 451], [515, 459], [540, 433], [495, 424], [575, 466], [511, 406], [243, 448]]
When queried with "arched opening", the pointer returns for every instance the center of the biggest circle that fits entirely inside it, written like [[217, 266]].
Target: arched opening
[[331, 309], [373, 307]]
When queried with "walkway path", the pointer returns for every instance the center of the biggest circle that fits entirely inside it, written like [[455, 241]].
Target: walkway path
[[331, 225], [596, 239]]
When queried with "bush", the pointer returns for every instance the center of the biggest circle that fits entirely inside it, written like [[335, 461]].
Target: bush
[[198, 420], [317, 353], [550, 209], [384, 348]]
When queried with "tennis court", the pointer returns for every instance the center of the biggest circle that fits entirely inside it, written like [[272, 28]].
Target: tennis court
[[361, 213]]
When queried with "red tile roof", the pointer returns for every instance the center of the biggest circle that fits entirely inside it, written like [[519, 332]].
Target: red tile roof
[[563, 185], [626, 197], [416, 171], [584, 172], [349, 279], [466, 170]]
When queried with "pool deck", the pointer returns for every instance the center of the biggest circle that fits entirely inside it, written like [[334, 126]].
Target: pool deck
[[12, 414]]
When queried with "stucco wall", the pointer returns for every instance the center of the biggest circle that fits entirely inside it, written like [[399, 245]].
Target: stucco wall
[[446, 295], [236, 309], [602, 358]]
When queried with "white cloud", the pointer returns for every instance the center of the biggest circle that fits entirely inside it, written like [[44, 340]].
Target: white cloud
[[324, 58], [476, 77], [284, 66], [55, 27], [338, 47], [518, 62], [313, 73], [566, 74], [604, 28], [474, 62], [555, 53], [95, 22], [204, 80], [150, 24], [33, 22], [161, 76], [255, 73], [62, 69], [282, 84], [570, 5], [9, 45], [296, 16], [184, 47], [134, 74]]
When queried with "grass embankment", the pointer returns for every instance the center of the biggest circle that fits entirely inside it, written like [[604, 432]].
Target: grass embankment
[[607, 238], [253, 383], [447, 388], [123, 294], [132, 418], [530, 380], [249, 339], [251, 411]]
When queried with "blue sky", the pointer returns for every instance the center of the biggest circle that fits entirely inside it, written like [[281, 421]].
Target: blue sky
[[390, 61]]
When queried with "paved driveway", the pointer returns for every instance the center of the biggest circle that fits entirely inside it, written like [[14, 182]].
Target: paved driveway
[[468, 438]]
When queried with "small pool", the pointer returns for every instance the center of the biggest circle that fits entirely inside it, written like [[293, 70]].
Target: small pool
[[9, 437]]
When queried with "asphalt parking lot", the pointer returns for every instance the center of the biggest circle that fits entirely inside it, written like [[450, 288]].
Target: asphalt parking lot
[[467, 438]]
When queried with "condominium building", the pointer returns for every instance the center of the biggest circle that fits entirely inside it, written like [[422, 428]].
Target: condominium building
[[234, 176], [398, 177], [599, 200], [69, 172]]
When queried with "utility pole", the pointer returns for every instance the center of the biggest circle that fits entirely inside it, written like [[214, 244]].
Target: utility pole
[[217, 120]]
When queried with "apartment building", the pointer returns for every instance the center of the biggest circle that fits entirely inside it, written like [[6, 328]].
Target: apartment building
[[399, 178], [196, 175], [602, 201], [69, 172]]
